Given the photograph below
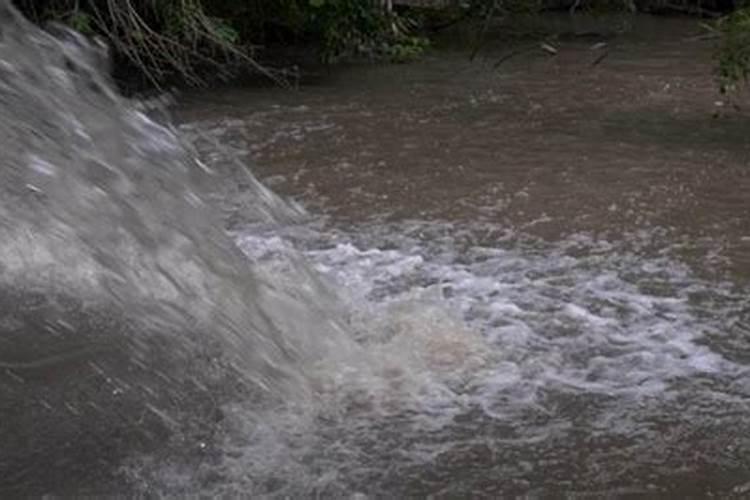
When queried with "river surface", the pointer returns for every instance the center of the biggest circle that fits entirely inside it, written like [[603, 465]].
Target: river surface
[[549, 146], [515, 280], [561, 251]]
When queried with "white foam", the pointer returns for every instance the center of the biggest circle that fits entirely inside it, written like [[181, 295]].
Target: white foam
[[440, 328]]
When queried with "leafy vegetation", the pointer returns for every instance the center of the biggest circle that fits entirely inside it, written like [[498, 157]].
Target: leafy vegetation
[[733, 55], [160, 39], [163, 40], [356, 28], [189, 39]]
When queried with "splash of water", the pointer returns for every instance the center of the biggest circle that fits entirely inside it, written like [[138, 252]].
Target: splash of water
[[109, 242], [99, 200]]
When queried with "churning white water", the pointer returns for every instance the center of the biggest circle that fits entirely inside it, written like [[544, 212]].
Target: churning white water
[[505, 360], [288, 358]]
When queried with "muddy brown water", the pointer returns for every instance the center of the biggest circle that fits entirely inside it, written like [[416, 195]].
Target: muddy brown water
[[545, 147], [549, 145]]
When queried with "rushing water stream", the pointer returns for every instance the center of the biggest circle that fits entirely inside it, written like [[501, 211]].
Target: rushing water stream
[[513, 293]]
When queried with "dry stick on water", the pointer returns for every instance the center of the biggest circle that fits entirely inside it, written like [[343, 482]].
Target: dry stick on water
[[509, 55], [687, 9], [603, 46], [600, 58], [514, 53], [544, 46], [549, 49]]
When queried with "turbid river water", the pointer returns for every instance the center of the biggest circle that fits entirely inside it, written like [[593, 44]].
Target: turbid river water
[[524, 280], [549, 146]]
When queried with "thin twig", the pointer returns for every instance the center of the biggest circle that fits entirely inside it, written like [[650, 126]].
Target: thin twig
[[485, 28]]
